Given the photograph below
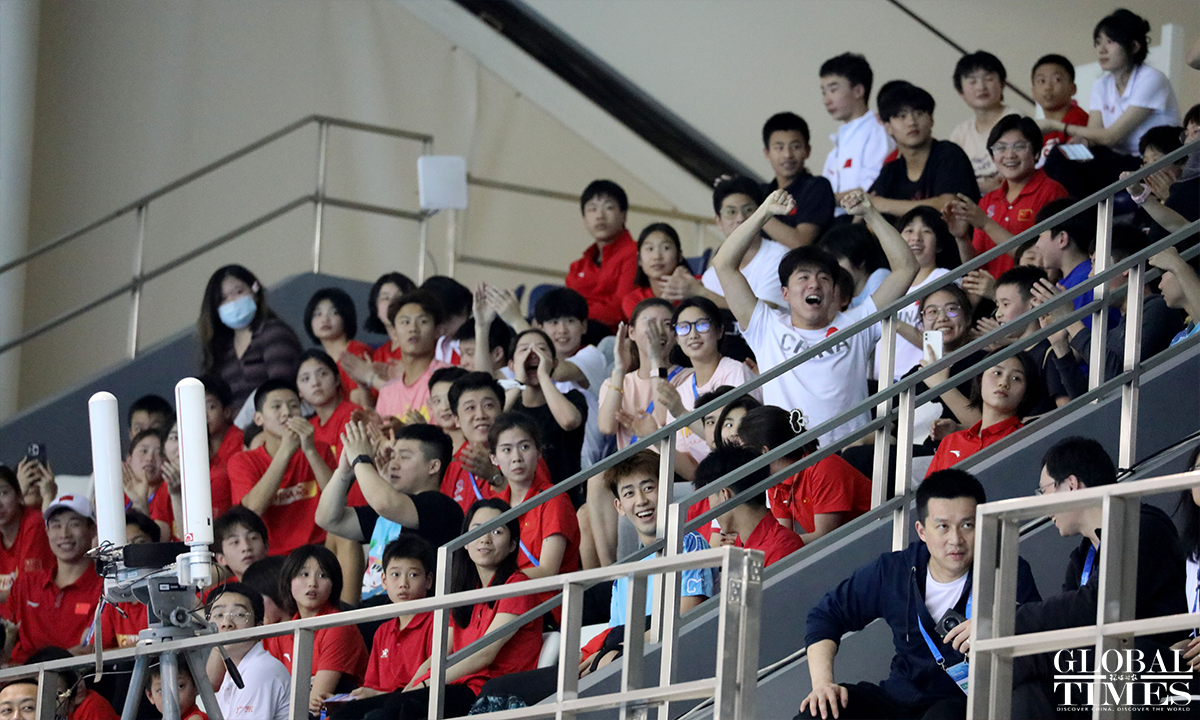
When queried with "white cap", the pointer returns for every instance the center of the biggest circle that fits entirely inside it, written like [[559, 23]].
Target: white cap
[[76, 503]]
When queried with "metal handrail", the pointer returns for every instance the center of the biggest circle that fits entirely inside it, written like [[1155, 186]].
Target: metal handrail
[[741, 578]]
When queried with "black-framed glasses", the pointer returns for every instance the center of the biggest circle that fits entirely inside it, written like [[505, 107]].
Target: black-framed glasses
[[682, 329]]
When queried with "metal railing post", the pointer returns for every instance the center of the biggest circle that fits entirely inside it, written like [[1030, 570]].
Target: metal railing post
[[451, 241], [438, 648], [668, 630], [302, 656], [633, 671], [319, 202], [904, 444], [883, 436], [422, 248], [47, 697], [1103, 260], [1134, 299], [569, 646], [135, 295], [666, 498]]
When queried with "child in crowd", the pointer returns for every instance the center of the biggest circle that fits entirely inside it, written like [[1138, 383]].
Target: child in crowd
[[606, 272], [729, 421], [560, 417], [834, 381], [860, 144], [24, 547], [401, 645], [440, 412], [1065, 249], [563, 314], [403, 494], [339, 655], [240, 539], [660, 256], [818, 499], [860, 255], [786, 147], [320, 385], [1015, 143], [1180, 289], [70, 583], [751, 521], [734, 201], [186, 693], [549, 540], [1004, 395], [1053, 90], [73, 699], [979, 79], [711, 419], [150, 412], [947, 311], [927, 172], [331, 321], [455, 300], [275, 481], [264, 694], [224, 440], [263, 576], [416, 318], [490, 332], [1014, 298], [146, 489]]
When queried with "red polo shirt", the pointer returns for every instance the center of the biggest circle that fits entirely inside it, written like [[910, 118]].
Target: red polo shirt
[[965, 443], [121, 630], [1016, 216], [465, 488], [30, 551], [340, 649], [46, 614], [232, 443], [603, 276], [290, 515], [331, 434], [397, 652], [1075, 115], [830, 486], [776, 541], [554, 517], [706, 530], [95, 707]]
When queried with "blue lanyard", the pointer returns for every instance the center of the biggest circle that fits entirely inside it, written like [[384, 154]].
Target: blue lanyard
[[1196, 598], [1087, 566], [650, 408], [129, 503], [528, 554], [475, 486], [695, 390], [937, 654]]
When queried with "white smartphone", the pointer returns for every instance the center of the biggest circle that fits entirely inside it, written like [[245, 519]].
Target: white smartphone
[[933, 340], [1078, 153]]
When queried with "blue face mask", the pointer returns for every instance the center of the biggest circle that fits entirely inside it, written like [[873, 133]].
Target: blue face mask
[[237, 314]]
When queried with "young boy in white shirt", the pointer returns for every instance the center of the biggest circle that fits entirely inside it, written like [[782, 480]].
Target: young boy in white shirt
[[861, 144], [834, 381], [979, 79]]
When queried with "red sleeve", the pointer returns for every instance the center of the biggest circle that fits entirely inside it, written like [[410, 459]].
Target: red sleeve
[[1076, 115], [371, 678], [341, 649], [776, 496], [941, 459], [607, 309], [243, 476], [832, 491], [160, 506], [594, 645], [517, 605], [14, 600], [559, 519], [94, 707]]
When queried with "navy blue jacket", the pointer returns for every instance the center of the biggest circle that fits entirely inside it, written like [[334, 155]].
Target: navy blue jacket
[[893, 588]]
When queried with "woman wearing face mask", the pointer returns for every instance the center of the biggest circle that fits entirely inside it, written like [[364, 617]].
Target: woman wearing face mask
[[242, 340]]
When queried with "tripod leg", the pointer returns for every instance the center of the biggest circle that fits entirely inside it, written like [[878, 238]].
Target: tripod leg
[[169, 668], [196, 664], [137, 682]]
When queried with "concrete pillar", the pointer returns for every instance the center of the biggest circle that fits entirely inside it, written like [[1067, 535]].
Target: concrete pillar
[[18, 71]]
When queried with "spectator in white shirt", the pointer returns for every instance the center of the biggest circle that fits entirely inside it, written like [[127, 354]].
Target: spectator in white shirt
[[265, 681], [861, 144]]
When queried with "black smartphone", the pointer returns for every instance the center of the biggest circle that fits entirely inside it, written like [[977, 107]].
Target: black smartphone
[[36, 452]]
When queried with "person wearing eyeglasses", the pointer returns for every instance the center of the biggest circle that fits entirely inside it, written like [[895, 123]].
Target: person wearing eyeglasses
[[1015, 144], [265, 681]]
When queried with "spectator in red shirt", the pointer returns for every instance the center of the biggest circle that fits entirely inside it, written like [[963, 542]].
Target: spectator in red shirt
[[1005, 393], [275, 481], [331, 321], [23, 544], [441, 413], [146, 488], [121, 622], [659, 256], [76, 701], [55, 606], [605, 274], [150, 412], [339, 659], [320, 385], [818, 499], [19, 699], [1015, 144], [224, 440], [1053, 88], [751, 520], [240, 539], [187, 693]]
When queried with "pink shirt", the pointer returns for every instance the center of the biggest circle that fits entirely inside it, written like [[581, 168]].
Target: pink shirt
[[728, 372], [396, 398], [636, 399]]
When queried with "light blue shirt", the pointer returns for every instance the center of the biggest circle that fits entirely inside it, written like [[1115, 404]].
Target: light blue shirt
[[1186, 333], [701, 582]]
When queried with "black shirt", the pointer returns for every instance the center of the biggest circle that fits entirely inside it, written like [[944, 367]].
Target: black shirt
[[561, 450], [439, 518], [947, 170], [814, 200]]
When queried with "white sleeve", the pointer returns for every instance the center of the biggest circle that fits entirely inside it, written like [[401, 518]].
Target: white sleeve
[[281, 701], [1152, 90], [875, 151], [757, 331], [710, 281]]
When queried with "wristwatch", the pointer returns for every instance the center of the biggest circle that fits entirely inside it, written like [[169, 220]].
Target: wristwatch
[[662, 373], [364, 458]]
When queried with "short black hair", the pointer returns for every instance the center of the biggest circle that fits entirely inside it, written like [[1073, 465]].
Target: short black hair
[[1081, 229], [903, 96], [1126, 29], [372, 323], [713, 394], [9, 477], [435, 444], [1164, 138], [427, 301], [270, 386], [736, 186], [295, 563], [1192, 116], [453, 297], [558, 303], [809, 256], [446, 374], [410, 546], [152, 405], [474, 381], [1053, 59], [144, 523], [949, 484], [1024, 277], [784, 122], [500, 335], [853, 67], [342, 302], [1126, 240], [1082, 457], [855, 242], [235, 517], [218, 388], [978, 60], [514, 419], [724, 460], [604, 188], [1026, 126], [245, 590], [1033, 387], [946, 254], [263, 578]]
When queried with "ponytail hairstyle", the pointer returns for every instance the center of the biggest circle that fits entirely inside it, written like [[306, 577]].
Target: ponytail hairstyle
[[641, 279], [770, 426], [1129, 30], [465, 576]]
